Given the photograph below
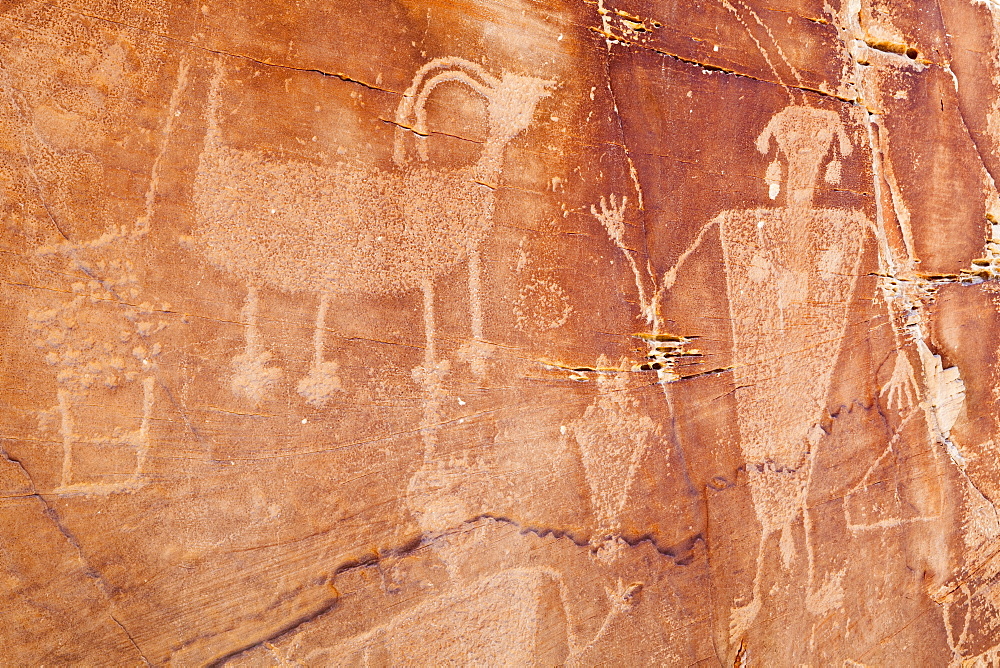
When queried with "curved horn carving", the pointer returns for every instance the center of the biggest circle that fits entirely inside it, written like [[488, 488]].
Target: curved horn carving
[[414, 98], [420, 112]]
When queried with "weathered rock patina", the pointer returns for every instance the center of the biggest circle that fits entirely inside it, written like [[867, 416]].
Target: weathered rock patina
[[413, 332]]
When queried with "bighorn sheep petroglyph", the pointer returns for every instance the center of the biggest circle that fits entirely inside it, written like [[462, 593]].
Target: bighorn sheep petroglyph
[[345, 228]]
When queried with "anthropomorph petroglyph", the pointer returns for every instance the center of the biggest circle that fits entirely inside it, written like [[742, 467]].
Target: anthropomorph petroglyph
[[99, 335], [790, 275], [613, 436], [345, 228]]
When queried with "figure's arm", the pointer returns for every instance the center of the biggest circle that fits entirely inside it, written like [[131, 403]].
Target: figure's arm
[[764, 139], [901, 390], [612, 217], [845, 145]]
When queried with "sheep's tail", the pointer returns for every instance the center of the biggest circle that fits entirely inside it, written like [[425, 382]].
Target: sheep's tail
[[212, 106]]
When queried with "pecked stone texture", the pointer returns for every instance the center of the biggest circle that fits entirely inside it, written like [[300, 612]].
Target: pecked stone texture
[[428, 333]]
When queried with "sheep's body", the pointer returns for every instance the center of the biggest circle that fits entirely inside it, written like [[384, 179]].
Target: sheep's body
[[296, 226], [336, 229]]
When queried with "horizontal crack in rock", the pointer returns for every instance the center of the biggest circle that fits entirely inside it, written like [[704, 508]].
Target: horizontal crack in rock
[[718, 68]]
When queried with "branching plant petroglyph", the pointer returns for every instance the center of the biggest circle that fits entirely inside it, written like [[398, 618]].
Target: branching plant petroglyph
[[103, 345], [347, 229], [664, 349]]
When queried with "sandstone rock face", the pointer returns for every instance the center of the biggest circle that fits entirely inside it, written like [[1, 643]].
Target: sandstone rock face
[[407, 332]]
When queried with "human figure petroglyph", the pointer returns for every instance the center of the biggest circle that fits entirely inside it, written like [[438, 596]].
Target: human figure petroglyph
[[101, 339], [790, 275], [344, 228], [797, 131], [613, 436]]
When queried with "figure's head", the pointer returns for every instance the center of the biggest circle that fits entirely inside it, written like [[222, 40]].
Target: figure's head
[[512, 103], [434, 500], [804, 136]]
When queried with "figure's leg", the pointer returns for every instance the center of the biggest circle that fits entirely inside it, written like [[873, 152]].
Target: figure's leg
[[743, 616], [322, 381]]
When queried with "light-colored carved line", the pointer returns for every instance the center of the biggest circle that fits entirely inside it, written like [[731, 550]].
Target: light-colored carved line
[[66, 429], [420, 110], [956, 645], [406, 105], [899, 207], [475, 300], [427, 287], [145, 442], [760, 47], [890, 523], [777, 46], [670, 276], [212, 106], [634, 174], [248, 314], [319, 333], [142, 224]]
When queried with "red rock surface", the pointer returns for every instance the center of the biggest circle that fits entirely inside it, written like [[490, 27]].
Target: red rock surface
[[432, 333]]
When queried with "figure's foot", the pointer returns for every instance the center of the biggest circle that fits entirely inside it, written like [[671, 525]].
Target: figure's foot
[[431, 377], [741, 618], [829, 596], [321, 383], [252, 378], [476, 354]]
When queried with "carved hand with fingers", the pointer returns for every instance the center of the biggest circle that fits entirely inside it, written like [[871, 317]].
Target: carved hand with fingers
[[901, 390], [612, 216]]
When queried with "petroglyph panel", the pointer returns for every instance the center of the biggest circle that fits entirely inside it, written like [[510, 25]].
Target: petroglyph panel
[[500, 333]]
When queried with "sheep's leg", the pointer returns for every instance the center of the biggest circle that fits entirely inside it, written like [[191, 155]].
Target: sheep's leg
[[475, 303], [142, 449], [318, 334], [252, 378], [249, 314], [430, 374], [427, 286], [322, 381], [477, 351], [67, 436]]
